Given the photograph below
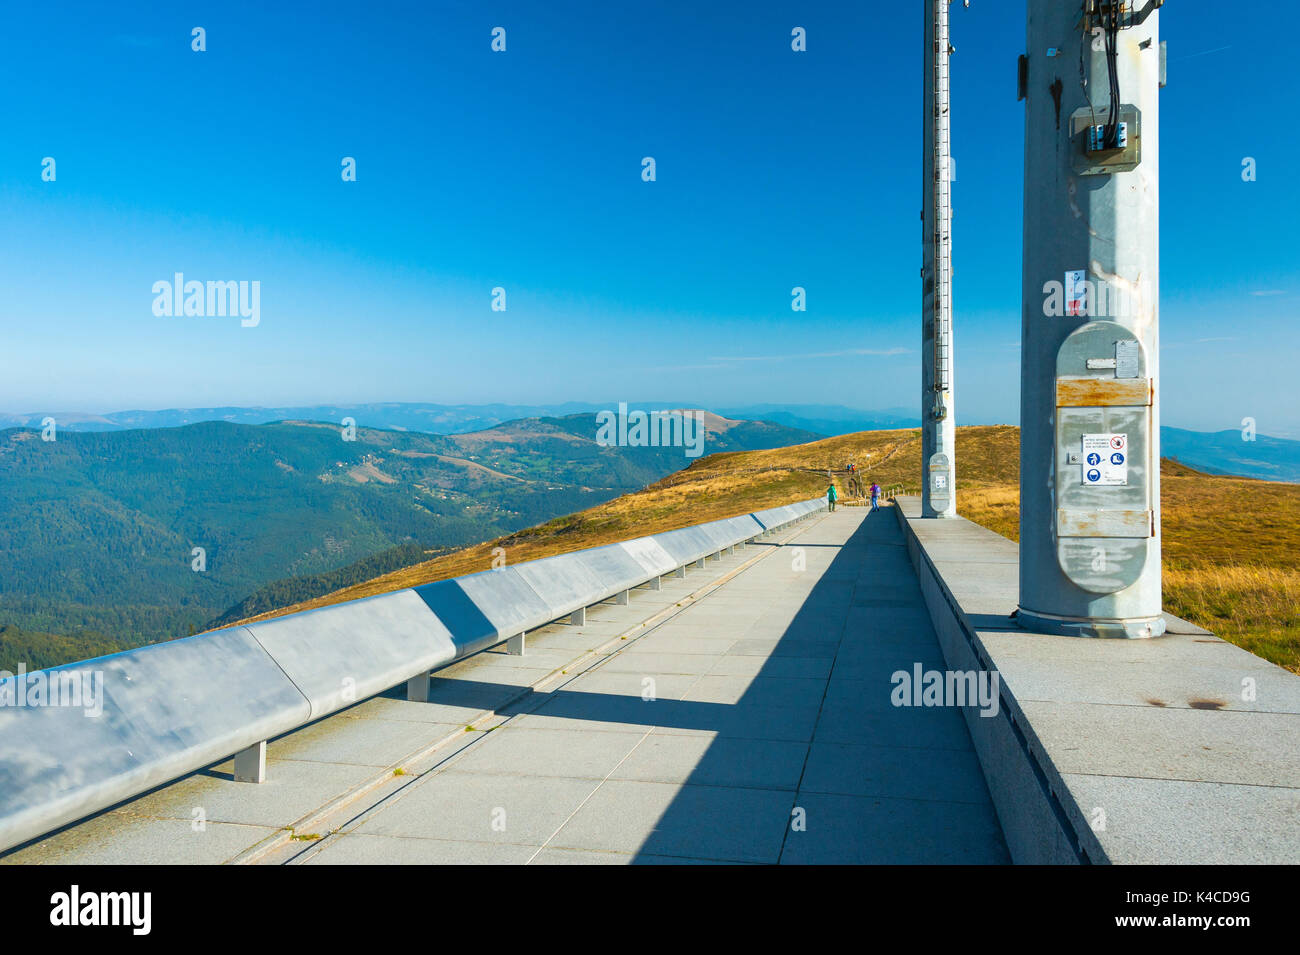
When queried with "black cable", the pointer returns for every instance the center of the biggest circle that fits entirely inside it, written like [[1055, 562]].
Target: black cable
[[1111, 140]]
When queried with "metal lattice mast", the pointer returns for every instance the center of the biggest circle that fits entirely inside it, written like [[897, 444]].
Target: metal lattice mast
[[938, 498], [942, 206]]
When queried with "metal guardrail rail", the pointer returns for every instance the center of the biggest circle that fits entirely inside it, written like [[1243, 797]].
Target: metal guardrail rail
[[173, 708]]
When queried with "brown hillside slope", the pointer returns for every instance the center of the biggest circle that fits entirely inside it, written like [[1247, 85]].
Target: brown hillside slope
[[1230, 544]]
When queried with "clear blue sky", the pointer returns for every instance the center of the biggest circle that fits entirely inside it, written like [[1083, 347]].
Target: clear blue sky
[[522, 170]]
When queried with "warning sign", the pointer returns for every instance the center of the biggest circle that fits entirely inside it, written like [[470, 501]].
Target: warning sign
[[1105, 459]]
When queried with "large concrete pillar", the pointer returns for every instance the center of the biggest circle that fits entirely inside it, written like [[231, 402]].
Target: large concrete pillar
[[1089, 408], [938, 430]]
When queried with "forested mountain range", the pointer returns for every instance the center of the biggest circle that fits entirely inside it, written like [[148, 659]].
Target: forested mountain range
[[111, 539]]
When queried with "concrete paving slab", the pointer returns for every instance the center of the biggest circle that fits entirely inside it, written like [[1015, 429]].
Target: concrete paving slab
[[758, 690], [118, 838], [292, 789], [873, 691], [469, 807], [668, 686], [1179, 672], [741, 721], [697, 643], [721, 824], [772, 666], [359, 848], [546, 752], [865, 830], [919, 727], [823, 649], [543, 720], [374, 743], [649, 660], [1258, 749], [1162, 821], [948, 775], [720, 761], [583, 857]]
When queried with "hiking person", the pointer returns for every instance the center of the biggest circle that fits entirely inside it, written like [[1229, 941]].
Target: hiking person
[[875, 496], [832, 495]]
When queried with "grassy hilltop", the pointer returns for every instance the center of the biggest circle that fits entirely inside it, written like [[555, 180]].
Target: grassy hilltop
[[1230, 544]]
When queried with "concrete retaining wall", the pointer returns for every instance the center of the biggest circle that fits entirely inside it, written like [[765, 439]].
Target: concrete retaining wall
[[1178, 749], [1036, 829]]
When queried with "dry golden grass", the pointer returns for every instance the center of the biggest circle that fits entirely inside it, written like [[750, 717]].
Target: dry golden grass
[[996, 507], [1255, 607], [1230, 544]]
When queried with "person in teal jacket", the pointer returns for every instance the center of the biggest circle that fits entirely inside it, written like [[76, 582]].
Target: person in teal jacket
[[832, 495]]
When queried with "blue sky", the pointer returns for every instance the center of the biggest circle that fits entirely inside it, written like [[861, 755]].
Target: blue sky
[[522, 170]]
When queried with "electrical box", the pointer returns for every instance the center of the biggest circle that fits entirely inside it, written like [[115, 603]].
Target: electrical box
[[940, 477], [1097, 139], [1104, 516], [1090, 155]]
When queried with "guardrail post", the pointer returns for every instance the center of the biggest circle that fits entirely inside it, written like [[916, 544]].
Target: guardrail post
[[700, 563], [515, 645], [680, 571], [250, 764], [657, 584], [579, 617], [718, 556], [622, 598], [417, 688]]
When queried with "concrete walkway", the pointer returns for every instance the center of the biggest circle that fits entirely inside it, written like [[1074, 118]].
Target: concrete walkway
[[1182, 750], [741, 715]]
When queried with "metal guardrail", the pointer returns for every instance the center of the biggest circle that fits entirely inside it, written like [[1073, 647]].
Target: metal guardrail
[[170, 709]]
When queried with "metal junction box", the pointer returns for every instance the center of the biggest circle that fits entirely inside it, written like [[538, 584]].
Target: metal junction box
[[1089, 161], [1104, 514]]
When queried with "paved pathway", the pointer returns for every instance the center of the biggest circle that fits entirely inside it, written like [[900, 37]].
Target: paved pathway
[[740, 718]]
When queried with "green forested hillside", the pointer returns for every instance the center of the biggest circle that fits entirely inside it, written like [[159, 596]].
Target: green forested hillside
[[98, 529]]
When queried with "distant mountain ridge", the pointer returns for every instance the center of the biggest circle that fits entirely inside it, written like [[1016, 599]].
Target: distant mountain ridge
[[459, 419], [1231, 452], [1221, 452], [387, 416], [98, 529]]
